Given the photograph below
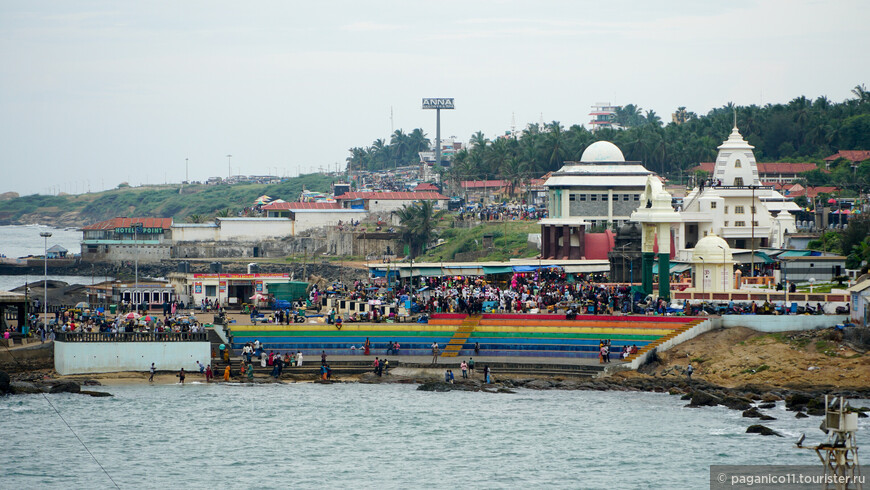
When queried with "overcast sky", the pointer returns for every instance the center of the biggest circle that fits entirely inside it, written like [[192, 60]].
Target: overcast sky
[[95, 93]]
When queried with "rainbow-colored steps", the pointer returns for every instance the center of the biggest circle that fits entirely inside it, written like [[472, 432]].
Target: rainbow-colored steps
[[497, 334]]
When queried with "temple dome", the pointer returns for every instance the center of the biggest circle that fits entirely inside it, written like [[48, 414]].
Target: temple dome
[[602, 151], [709, 248]]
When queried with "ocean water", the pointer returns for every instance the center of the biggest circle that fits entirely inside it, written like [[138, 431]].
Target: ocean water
[[23, 240], [381, 436]]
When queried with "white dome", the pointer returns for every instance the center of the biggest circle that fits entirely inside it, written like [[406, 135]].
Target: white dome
[[602, 151], [709, 248]]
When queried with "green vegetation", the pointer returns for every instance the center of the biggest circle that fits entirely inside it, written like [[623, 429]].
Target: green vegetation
[[402, 150], [763, 367], [195, 203], [418, 225], [853, 242], [462, 240]]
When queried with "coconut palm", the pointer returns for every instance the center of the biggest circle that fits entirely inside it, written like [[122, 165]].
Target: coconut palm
[[418, 225]]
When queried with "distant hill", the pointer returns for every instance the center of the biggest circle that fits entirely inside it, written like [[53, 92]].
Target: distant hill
[[151, 201]]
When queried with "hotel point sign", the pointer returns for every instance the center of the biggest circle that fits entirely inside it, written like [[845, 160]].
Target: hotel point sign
[[438, 103]]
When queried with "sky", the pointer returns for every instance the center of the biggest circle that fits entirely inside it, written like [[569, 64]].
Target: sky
[[94, 93]]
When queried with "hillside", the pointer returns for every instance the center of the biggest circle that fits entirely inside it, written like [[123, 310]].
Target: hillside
[[151, 201]]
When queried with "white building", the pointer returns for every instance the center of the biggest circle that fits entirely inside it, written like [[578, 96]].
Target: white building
[[312, 215], [735, 207], [232, 229], [387, 202]]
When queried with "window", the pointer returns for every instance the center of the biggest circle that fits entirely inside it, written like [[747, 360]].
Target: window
[[210, 290], [726, 209], [582, 197], [705, 232], [752, 209], [739, 223], [712, 204], [593, 197], [637, 197], [604, 197], [726, 223], [737, 164], [571, 197], [738, 181], [755, 223], [738, 210], [626, 197]]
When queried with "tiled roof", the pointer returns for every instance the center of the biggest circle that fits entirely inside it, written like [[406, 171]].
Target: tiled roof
[[113, 223], [473, 184], [851, 155], [403, 196], [284, 206], [768, 168], [425, 186], [811, 192]]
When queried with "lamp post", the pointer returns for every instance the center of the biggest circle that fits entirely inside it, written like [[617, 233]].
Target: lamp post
[[752, 239], [45, 235], [724, 276], [703, 274], [229, 170], [136, 245]]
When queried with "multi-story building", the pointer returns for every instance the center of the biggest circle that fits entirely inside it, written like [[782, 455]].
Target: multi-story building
[[603, 115], [127, 240]]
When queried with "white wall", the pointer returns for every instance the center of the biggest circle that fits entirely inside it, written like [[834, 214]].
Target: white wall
[[186, 232], [386, 206], [114, 357], [252, 229], [306, 220]]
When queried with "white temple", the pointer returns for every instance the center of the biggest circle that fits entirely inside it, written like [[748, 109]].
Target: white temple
[[735, 205]]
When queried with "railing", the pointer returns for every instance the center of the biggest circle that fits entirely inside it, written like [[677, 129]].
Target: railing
[[132, 337]]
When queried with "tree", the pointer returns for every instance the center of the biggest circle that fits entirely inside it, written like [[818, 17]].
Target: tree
[[196, 218], [418, 225], [861, 93]]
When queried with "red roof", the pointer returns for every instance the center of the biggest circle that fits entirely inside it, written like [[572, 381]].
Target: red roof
[[811, 192], [113, 223], [426, 186], [284, 206], [474, 184], [851, 155], [399, 196], [768, 168]]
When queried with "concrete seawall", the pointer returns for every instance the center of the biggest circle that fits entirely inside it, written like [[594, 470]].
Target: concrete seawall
[[112, 357]]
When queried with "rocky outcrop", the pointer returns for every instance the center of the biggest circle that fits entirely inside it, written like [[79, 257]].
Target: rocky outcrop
[[4, 383], [763, 430]]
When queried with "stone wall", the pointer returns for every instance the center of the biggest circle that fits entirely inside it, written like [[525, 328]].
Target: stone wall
[[114, 357], [264, 248]]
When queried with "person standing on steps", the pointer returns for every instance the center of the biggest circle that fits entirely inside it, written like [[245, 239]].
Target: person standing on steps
[[153, 370], [477, 349], [434, 352], [227, 373], [464, 367], [367, 347], [471, 366], [250, 372], [208, 374]]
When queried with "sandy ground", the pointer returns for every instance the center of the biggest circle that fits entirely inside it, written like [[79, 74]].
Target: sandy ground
[[738, 356]]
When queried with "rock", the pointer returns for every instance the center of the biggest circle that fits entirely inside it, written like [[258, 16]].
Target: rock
[[65, 387], [441, 386], [801, 415], [767, 417], [704, 399], [91, 382], [797, 400], [675, 391], [95, 393], [770, 397], [818, 411], [687, 396], [767, 405], [568, 384], [760, 429], [538, 384], [4, 383], [23, 387], [736, 403], [505, 390], [752, 413]]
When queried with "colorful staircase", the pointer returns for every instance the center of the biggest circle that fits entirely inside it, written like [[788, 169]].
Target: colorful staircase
[[466, 328], [677, 331]]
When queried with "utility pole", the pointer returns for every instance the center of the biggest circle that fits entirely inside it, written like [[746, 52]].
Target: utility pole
[[229, 169], [186, 173]]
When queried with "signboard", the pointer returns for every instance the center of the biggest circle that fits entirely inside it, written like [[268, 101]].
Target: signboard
[[197, 288], [223, 286], [141, 231], [259, 286], [438, 103], [242, 276]]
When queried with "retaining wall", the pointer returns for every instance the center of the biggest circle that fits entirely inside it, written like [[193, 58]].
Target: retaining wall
[[114, 357]]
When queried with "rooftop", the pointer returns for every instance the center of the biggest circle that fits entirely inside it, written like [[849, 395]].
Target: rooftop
[[399, 196], [164, 223]]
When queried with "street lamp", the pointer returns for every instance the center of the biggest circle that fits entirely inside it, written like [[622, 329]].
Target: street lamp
[[724, 276], [45, 235], [703, 274], [229, 170]]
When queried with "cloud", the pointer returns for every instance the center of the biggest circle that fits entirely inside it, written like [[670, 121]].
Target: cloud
[[370, 27]]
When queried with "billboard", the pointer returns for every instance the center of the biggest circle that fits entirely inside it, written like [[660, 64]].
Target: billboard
[[438, 103]]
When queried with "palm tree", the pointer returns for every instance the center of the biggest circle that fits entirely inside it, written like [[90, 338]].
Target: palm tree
[[418, 225], [196, 218], [861, 93], [478, 140], [224, 213], [417, 141], [401, 147]]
